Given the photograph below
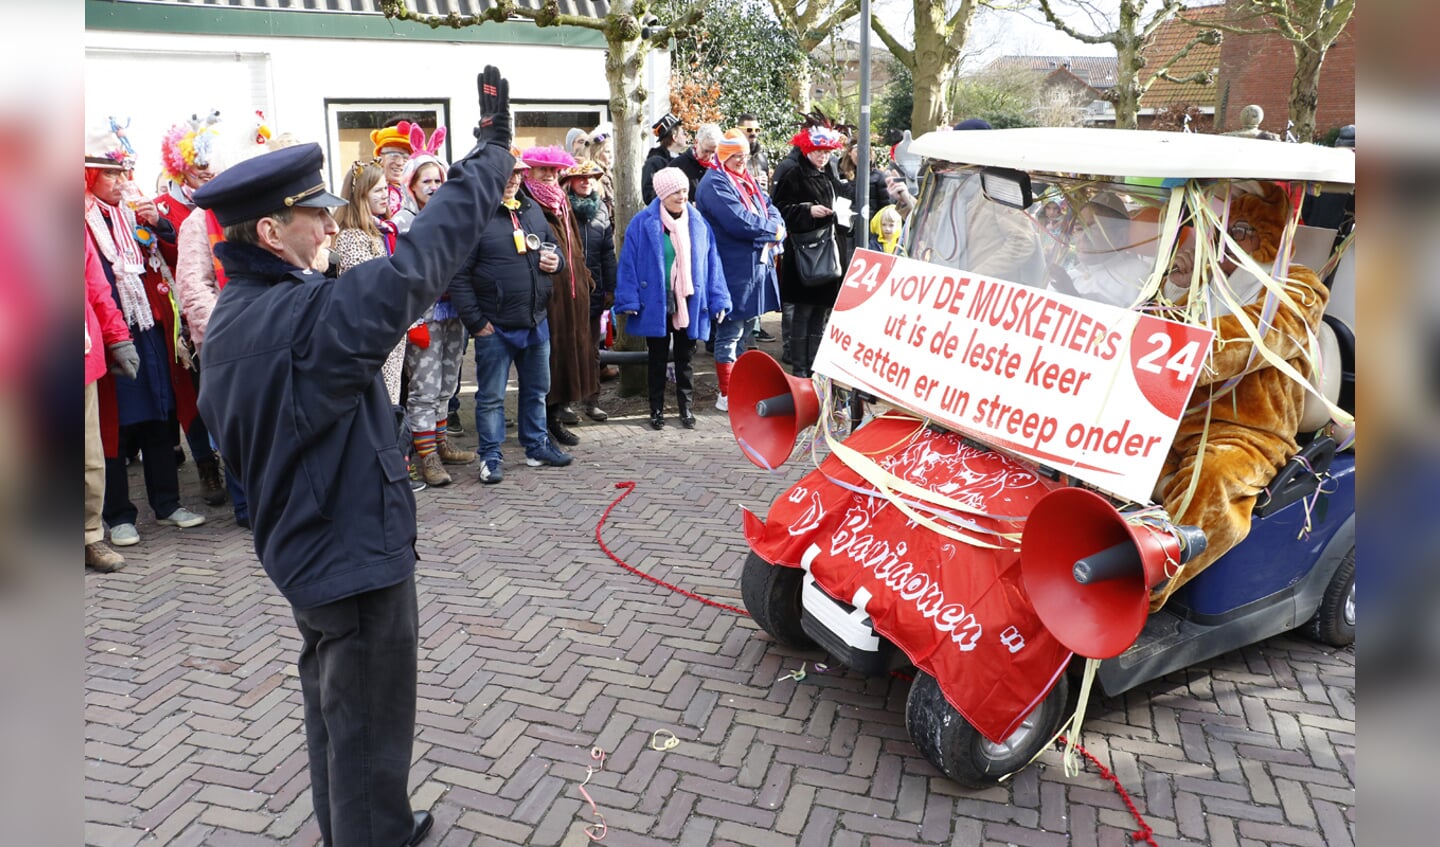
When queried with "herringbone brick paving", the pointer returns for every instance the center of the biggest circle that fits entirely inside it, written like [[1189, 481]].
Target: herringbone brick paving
[[535, 648]]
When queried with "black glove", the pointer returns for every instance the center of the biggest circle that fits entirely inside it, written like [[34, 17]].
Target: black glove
[[494, 125], [124, 359]]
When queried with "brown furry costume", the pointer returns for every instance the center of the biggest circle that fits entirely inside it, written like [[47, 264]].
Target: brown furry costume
[[1252, 427]]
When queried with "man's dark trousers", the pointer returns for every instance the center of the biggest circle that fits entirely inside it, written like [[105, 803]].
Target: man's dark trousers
[[358, 676]]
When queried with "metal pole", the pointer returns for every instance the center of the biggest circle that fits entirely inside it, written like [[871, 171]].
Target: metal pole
[[862, 167], [861, 232]]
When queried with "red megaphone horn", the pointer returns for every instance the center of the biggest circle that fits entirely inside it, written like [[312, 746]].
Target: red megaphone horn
[[1089, 571], [768, 408]]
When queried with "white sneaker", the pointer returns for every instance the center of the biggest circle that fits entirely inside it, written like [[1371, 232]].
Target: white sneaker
[[181, 517], [124, 535], [722, 403]]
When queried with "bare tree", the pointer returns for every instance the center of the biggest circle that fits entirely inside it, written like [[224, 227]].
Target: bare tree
[[630, 33], [817, 21], [1311, 27], [1129, 37], [939, 40]]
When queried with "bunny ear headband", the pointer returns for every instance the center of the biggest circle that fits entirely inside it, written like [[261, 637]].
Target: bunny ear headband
[[419, 145]]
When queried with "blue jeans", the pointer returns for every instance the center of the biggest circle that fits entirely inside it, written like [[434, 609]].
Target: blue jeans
[[728, 334], [493, 357]]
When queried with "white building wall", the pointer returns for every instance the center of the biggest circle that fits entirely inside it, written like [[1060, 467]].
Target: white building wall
[[158, 79]]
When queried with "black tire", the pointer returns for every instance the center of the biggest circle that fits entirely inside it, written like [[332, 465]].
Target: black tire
[[1334, 621], [958, 750], [772, 597]]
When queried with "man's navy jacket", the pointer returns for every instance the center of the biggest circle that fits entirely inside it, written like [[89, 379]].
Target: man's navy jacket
[[293, 392]]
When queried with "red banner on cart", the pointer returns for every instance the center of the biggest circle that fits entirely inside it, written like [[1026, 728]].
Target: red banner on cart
[[958, 610], [1094, 390]]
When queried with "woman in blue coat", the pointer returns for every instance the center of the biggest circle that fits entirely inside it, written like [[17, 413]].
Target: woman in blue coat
[[670, 284], [748, 231]]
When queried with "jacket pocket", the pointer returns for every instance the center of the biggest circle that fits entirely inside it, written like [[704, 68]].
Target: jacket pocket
[[397, 511]]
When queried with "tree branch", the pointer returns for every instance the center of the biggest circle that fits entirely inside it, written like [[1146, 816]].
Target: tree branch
[[905, 55], [1107, 38], [500, 13], [1210, 37], [1167, 11]]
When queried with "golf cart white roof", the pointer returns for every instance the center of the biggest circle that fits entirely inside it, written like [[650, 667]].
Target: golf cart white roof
[[1138, 153]]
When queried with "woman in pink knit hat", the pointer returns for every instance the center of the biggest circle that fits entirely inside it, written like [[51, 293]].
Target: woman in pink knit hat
[[670, 285]]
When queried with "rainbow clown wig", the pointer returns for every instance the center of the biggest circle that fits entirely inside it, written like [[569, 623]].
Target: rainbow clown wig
[[189, 145]]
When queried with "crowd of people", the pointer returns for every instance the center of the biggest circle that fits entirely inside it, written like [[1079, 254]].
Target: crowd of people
[[715, 248]]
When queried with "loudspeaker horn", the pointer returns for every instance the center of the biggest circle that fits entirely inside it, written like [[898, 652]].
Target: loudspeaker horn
[[768, 408], [1089, 571]]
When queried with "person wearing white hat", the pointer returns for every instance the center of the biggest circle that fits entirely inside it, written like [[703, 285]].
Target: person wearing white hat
[[124, 227]]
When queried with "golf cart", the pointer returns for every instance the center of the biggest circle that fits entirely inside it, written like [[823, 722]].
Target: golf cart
[[992, 411]]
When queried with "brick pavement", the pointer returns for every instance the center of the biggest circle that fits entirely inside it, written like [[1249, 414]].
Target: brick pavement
[[535, 647]]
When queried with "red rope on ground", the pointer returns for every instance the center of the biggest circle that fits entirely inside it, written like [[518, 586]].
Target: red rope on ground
[[1144, 833], [629, 487]]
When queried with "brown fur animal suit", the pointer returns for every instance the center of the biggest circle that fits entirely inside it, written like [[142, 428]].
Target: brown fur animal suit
[[1252, 427]]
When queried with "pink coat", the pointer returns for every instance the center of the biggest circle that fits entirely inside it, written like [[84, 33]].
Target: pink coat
[[104, 324], [195, 275]]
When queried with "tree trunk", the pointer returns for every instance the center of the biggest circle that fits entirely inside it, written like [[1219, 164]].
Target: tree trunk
[[624, 61], [1305, 90], [1128, 64], [802, 84]]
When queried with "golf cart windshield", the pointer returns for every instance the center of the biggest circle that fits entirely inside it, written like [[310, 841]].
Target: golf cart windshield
[[1093, 239]]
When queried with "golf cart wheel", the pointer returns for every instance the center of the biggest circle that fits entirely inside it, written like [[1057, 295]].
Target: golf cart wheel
[[772, 597], [1334, 621], [959, 751]]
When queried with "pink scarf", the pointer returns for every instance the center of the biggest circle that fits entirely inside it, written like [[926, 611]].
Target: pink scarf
[[552, 199], [680, 282], [748, 189]]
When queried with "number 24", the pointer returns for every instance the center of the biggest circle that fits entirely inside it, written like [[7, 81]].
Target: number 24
[[1182, 363]]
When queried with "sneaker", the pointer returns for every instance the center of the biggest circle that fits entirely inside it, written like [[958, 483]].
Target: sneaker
[[99, 556], [722, 403], [594, 412], [657, 420], [549, 454], [452, 424], [417, 482], [687, 420], [762, 335], [182, 517], [491, 472], [124, 535], [566, 415], [434, 471]]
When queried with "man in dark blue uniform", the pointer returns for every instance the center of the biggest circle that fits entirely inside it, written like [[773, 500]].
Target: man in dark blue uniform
[[294, 394]]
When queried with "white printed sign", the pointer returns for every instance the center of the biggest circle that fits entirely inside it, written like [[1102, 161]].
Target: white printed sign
[[1093, 390]]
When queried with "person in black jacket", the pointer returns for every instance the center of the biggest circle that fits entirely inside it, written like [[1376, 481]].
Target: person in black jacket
[[670, 141], [805, 195], [294, 396], [700, 159], [595, 214], [503, 297]]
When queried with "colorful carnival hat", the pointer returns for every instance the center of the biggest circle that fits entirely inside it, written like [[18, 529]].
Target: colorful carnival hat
[[190, 144], [583, 168], [548, 157], [106, 146], [815, 138], [392, 136]]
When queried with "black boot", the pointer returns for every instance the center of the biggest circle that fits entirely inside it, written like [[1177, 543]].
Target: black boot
[[558, 430], [211, 482], [657, 419]]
